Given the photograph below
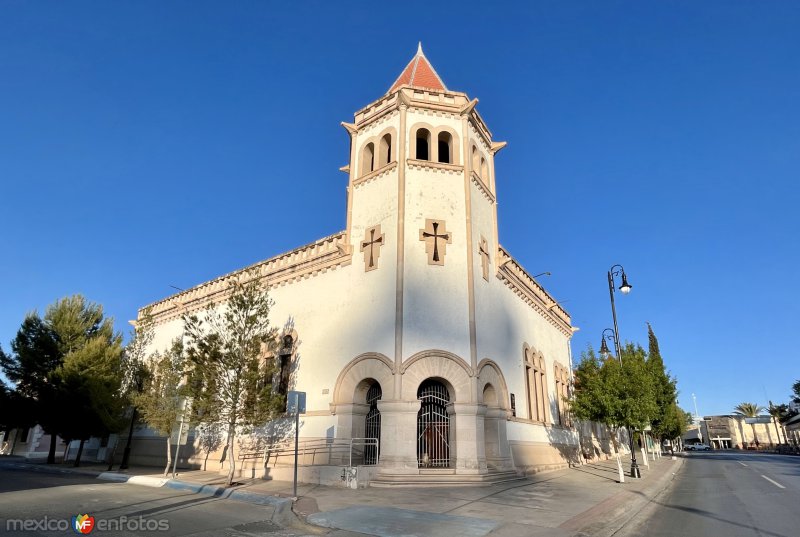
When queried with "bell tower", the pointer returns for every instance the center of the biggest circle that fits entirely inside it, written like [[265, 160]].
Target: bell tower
[[421, 210]]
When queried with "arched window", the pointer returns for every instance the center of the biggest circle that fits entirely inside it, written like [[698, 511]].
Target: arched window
[[562, 394], [476, 160], [368, 159], [285, 364], [423, 144], [385, 150], [484, 171], [536, 385], [445, 147]]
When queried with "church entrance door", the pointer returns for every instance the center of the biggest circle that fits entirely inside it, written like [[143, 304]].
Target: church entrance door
[[433, 425], [372, 425]]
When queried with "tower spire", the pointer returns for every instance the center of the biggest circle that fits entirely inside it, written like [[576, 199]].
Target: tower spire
[[419, 73]]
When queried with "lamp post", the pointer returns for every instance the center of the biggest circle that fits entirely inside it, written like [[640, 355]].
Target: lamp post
[[625, 288]]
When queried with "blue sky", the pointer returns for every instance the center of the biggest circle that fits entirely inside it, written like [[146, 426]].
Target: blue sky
[[148, 144]]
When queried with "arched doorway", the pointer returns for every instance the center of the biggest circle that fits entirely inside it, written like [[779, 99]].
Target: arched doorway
[[372, 423], [433, 425]]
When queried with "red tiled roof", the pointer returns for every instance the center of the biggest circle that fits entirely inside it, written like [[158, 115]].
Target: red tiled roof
[[420, 73]]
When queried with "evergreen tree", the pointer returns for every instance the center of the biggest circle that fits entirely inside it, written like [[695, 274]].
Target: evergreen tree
[[160, 402], [89, 400], [230, 381], [31, 366], [665, 390]]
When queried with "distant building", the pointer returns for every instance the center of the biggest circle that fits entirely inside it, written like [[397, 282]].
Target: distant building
[[737, 432]]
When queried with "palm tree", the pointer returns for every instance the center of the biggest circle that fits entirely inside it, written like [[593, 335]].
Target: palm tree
[[778, 413], [749, 410]]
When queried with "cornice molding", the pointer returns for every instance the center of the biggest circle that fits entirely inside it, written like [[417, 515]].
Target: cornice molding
[[438, 166], [482, 187], [375, 174], [325, 254], [523, 285]]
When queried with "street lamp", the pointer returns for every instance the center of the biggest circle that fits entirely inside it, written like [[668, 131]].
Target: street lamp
[[604, 352], [625, 288]]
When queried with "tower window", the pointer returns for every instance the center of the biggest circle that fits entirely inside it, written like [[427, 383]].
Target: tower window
[[445, 147], [386, 150], [368, 159], [423, 144], [476, 162], [484, 171]]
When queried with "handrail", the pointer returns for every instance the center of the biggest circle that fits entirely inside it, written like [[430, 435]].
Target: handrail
[[364, 442], [312, 447]]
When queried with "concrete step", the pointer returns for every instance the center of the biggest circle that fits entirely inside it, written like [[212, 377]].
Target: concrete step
[[445, 477]]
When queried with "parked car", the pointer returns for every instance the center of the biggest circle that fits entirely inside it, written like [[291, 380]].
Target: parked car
[[697, 447]]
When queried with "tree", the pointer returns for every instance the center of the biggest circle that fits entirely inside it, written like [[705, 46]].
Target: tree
[[210, 440], [796, 393], [665, 418], [66, 365], [17, 411], [134, 371], [89, 399], [777, 413], [161, 400], [613, 393], [31, 366], [230, 381], [749, 410], [674, 423]]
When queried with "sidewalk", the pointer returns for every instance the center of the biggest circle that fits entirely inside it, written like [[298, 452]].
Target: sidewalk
[[583, 501]]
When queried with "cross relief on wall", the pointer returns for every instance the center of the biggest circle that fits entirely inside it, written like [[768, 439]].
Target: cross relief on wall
[[436, 239], [483, 251], [371, 246]]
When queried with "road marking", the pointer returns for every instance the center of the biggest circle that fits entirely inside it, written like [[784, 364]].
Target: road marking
[[773, 482], [740, 462]]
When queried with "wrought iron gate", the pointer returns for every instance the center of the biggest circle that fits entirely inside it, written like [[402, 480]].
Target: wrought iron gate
[[372, 427], [433, 425]]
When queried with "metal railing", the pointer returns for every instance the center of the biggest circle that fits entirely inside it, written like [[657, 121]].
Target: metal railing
[[328, 449]]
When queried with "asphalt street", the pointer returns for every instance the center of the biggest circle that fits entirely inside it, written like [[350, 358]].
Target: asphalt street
[[730, 494], [47, 499]]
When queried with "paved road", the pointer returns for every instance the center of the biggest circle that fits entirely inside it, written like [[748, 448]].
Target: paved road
[[730, 494], [36, 494]]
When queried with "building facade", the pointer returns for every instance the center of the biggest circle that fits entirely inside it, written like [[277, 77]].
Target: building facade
[[737, 432], [414, 325]]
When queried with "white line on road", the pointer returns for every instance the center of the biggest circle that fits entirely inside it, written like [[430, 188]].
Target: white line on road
[[773, 482], [740, 462]]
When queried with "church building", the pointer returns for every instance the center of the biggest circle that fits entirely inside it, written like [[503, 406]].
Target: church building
[[413, 325]]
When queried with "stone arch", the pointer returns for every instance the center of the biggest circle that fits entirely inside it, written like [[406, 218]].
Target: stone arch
[[489, 374], [452, 370], [354, 376], [387, 147], [367, 158], [455, 156], [412, 139]]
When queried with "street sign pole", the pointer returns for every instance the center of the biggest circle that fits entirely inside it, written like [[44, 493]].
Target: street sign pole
[[296, 441], [178, 442], [296, 402]]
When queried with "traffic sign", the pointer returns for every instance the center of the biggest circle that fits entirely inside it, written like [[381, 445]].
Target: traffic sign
[[296, 402]]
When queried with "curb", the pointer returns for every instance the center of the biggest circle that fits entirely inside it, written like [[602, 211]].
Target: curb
[[613, 513], [282, 507]]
